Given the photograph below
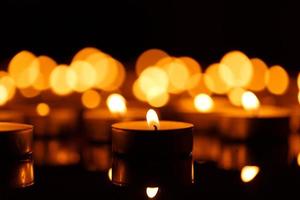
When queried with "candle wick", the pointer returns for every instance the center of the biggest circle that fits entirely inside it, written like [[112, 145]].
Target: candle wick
[[155, 127]]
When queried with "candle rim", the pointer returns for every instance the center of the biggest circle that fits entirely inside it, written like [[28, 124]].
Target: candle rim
[[14, 127], [120, 126]]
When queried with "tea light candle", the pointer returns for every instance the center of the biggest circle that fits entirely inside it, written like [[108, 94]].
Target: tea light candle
[[255, 121], [152, 137], [98, 122], [15, 139]]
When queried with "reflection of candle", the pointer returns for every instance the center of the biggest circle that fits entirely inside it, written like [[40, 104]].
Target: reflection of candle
[[15, 139], [152, 137], [254, 121], [98, 121]]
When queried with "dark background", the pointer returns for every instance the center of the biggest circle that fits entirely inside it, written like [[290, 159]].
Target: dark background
[[125, 28]]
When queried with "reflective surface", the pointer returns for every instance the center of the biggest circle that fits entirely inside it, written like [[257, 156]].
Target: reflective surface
[[69, 168]]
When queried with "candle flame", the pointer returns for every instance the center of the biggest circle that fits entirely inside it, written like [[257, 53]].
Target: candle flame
[[43, 109], [250, 101], [203, 103], [248, 173], [116, 104], [152, 119], [151, 191]]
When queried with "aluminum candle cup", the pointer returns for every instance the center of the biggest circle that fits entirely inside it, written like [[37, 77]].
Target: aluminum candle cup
[[137, 138], [15, 139], [266, 123]]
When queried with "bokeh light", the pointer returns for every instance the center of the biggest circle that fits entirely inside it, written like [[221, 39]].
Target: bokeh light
[[235, 96], [62, 80], [149, 58], [236, 69], [258, 81], [3, 95], [250, 101], [203, 103], [248, 173], [84, 53], [151, 192], [85, 75], [91, 99], [116, 104], [24, 69], [46, 65], [277, 80], [29, 92], [9, 84], [43, 109]]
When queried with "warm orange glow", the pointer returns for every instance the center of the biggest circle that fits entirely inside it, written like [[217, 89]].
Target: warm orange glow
[[277, 80], [109, 174], [62, 80], [298, 80], [29, 92], [152, 119], [9, 84], [299, 97], [91, 99], [149, 58], [178, 75], [43, 109], [137, 91], [118, 79], [250, 101], [213, 80], [116, 104], [258, 81], [3, 95], [298, 159], [192, 65], [84, 53], [203, 103], [236, 69], [85, 75], [197, 85], [157, 99], [46, 65], [151, 191], [235, 96], [248, 173], [24, 69]]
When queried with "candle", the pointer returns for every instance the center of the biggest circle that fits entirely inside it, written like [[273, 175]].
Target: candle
[[152, 137], [254, 121], [98, 121], [15, 139]]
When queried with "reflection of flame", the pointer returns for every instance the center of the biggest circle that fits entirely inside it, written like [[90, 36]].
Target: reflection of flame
[[152, 119], [203, 103], [248, 173], [116, 104], [250, 101], [151, 192], [298, 159], [109, 174], [42, 109]]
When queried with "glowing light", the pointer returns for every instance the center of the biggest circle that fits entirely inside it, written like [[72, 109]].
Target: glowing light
[[299, 97], [3, 95], [157, 99], [46, 65], [197, 85], [178, 74], [258, 81], [29, 92], [235, 96], [298, 159], [62, 80], [277, 80], [109, 174], [119, 78], [149, 58], [250, 101], [86, 75], [24, 69], [152, 119], [214, 81], [248, 173], [43, 109], [236, 69], [192, 65], [9, 83], [298, 80], [84, 53], [91, 99], [137, 91], [203, 103], [116, 104], [151, 191]]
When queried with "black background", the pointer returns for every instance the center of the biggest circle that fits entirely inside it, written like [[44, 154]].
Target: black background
[[202, 29]]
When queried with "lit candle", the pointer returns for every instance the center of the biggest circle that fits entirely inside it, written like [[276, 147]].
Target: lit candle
[[152, 137], [98, 121], [254, 121], [15, 139]]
